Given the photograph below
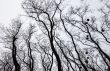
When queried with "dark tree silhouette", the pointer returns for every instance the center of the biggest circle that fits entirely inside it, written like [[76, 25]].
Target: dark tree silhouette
[[30, 62], [10, 38], [42, 8], [69, 39], [14, 47]]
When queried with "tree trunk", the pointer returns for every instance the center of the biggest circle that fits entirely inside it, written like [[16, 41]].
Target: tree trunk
[[56, 55], [15, 62]]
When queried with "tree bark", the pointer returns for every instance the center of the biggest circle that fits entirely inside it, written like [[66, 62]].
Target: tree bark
[[14, 53]]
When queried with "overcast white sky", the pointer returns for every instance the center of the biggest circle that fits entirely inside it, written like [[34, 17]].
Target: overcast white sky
[[9, 9]]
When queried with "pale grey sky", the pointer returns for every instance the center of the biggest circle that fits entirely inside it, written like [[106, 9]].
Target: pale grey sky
[[9, 9]]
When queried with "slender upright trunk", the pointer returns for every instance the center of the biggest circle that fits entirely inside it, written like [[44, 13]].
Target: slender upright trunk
[[55, 53], [14, 52]]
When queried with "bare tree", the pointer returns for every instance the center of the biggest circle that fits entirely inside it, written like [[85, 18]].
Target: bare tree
[[10, 40], [27, 39], [35, 9], [88, 27], [81, 48]]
